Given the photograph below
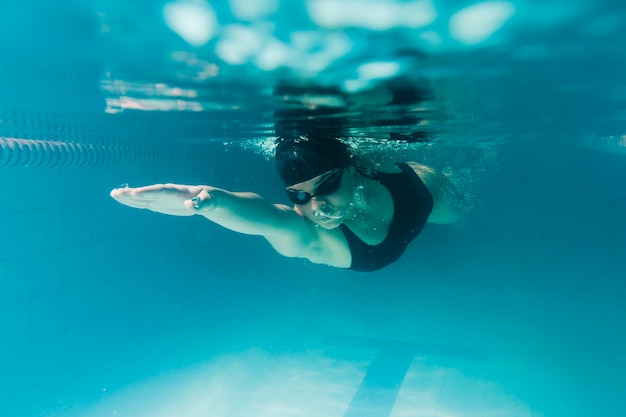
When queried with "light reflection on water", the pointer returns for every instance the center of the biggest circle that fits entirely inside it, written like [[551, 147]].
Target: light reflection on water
[[491, 67]]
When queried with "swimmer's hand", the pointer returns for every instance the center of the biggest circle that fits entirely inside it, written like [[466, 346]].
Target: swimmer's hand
[[171, 199]]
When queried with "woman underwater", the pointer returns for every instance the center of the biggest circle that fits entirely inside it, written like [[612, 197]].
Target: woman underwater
[[348, 212]]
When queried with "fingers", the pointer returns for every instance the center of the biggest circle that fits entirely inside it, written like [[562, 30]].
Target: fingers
[[125, 190], [167, 198], [130, 196], [118, 193], [126, 193], [190, 190]]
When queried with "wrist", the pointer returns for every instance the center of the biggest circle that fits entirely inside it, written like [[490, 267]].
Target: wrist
[[204, 202]]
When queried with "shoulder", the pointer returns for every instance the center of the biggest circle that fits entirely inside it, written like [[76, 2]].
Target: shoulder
[[420, 169], [388, 165], [427, 174], [301, 238], [377, 163]]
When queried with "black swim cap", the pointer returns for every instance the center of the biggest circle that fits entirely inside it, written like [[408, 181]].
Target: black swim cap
[[300, 159]]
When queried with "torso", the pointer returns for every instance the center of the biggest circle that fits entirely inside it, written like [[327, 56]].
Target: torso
[[400, 206], [372, 228]]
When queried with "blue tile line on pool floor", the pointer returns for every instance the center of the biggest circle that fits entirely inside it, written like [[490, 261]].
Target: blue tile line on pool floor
[[379, 389]]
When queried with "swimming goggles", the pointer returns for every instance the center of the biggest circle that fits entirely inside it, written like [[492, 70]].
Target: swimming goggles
[[329, 185]]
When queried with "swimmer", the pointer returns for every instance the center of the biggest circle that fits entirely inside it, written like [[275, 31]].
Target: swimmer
[[346, 213]]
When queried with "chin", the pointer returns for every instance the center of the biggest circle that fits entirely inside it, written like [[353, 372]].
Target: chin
[[328, 224]]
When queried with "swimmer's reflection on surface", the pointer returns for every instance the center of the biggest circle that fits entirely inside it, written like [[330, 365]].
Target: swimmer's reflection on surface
[[348, 211]]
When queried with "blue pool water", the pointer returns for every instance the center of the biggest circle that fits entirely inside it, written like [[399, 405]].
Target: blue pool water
[[516, 310]]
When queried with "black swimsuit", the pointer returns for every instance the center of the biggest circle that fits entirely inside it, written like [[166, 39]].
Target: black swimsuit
[[412, 205]]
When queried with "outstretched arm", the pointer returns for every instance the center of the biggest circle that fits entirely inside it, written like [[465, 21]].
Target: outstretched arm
[[241, 212], [248, 213]]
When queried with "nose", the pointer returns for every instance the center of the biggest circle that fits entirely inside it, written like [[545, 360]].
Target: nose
[[318, 202]]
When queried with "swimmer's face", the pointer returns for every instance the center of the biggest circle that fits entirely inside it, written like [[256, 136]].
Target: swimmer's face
[[324, 199]]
